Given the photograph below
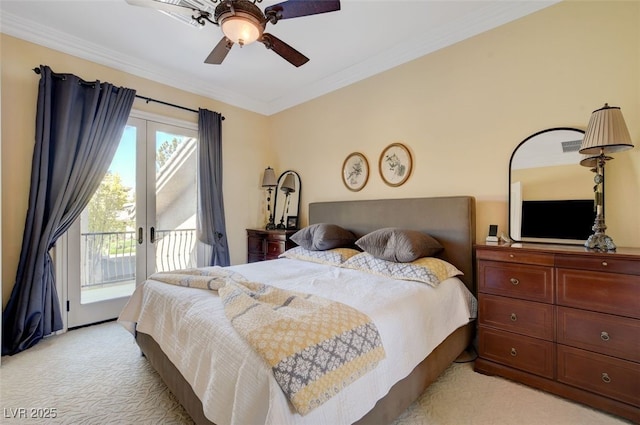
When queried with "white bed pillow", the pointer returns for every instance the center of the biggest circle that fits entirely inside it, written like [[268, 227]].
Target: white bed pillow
[[331, 257], [429, 270]]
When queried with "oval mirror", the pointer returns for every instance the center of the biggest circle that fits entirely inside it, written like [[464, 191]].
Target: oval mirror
[[286, 205], [551, 196]]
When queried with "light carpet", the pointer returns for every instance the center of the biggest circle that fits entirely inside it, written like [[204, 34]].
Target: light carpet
[[96, 375]]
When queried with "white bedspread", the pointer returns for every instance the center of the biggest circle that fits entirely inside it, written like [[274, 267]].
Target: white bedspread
[[237, 387]]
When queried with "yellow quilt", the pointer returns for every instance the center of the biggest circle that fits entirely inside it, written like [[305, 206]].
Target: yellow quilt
[[314, 346]]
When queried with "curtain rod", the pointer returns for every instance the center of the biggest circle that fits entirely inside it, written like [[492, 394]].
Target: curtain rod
[[147, 99]]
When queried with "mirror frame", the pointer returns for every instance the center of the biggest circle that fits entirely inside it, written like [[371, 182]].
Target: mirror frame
[[511, 205], [279, 215]]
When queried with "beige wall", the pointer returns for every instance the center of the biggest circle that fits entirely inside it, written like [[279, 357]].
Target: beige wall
[[461, 110], [246, 147], [464, 109], [542, 183]]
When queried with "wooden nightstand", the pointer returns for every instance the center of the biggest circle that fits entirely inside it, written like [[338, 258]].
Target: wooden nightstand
[[562, 319], [267, 244]]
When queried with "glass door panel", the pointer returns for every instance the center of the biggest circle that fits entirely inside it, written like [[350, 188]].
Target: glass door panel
[[102, 247], [175, 186], [141, 219], [108, 237]]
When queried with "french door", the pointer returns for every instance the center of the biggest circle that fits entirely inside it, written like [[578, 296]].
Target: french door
[[142, 219]]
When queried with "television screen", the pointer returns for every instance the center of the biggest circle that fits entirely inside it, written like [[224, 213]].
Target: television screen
[[562, 219]]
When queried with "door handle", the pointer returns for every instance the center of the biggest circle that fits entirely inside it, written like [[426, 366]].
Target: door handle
[[152, 234], [140, 236]]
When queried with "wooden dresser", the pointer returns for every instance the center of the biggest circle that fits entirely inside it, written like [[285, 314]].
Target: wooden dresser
[[267, 244], [562, 319]]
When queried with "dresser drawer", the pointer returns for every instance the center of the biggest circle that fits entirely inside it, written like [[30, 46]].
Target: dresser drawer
[[604, 263], [604, 292], [528, 282], [615, 378], [515, 256], [523, 317], [525, 353], [603, 333]]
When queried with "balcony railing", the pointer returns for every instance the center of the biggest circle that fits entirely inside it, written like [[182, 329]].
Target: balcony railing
[[110, 257], [175, 249]]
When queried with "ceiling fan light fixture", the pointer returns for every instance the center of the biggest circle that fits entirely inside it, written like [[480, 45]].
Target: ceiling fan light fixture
[[241, 29]]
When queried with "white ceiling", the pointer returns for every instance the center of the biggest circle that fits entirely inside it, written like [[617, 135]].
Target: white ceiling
[[362, 39]]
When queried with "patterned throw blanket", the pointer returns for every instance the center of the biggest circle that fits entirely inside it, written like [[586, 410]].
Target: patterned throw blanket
[[314, 346]]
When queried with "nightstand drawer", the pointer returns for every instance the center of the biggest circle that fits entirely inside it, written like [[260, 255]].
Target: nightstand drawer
[[603, 333], [267, 244], [254, 258], [528, 282], [598, 291], [615, 378], [523, 317], [529, 354], [514, 256], [275, 248], [255, 245]]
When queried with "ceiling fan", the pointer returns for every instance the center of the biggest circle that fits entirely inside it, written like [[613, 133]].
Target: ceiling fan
[[242, 22]]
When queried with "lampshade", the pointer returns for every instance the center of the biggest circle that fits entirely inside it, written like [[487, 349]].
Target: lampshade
[[592, 160], [269, 178], [606, 132], [589, 161], [241, 28], [289, 184]]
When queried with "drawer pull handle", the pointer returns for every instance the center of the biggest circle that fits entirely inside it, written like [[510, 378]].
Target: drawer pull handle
[[514, 317], [604, 264], [604, 336], [605, 378], [514, 281], [511, 255], [514, 353]]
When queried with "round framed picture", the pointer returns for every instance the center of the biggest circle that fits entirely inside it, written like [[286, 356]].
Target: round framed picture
[[395, 164], [355, 171]]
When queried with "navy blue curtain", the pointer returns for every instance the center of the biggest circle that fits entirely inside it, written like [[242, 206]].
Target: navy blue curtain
[[211, 222], [78, 127]]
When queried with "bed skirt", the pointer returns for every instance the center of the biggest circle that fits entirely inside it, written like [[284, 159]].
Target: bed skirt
[[386, 410]]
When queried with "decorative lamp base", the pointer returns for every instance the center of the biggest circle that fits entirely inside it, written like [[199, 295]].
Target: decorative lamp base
[[271, 225], [599, 240]]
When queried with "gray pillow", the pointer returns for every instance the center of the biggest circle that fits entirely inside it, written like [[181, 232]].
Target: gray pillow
[[323, 236], [399, 245]]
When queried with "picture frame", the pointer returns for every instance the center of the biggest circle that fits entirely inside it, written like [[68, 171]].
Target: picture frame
[[355, 171], [395, 164], [292, 222]]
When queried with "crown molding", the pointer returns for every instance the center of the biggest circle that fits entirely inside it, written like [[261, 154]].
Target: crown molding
[[24, 29], [494, 14]]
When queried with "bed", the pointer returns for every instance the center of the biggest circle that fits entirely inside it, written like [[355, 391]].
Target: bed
[[379, 396]]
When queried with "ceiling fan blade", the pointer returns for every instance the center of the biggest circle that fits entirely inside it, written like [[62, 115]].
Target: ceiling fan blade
[[219, 52], [165, 7], [296, 8], [287, 52]]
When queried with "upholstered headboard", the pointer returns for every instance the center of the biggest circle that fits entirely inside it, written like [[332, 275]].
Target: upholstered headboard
[[451, 220]]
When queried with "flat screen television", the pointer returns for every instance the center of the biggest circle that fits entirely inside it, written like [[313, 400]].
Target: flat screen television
[[570, 219]]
